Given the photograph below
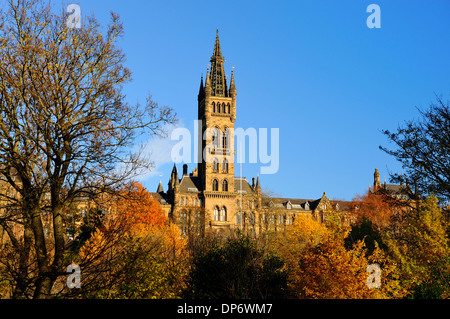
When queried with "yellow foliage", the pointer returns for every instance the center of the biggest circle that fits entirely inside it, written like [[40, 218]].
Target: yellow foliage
[[93, 247], [320, 266]]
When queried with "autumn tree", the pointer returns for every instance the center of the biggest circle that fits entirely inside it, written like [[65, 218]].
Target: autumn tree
[[421, 249], [136, 207], [377, 206], [235, 269], [135, 254], [65, 130], [373, 212], [148, 262], [320, 266], [423, 149]]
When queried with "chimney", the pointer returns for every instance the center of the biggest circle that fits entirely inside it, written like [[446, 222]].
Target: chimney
[[185, 169], [253, 182]]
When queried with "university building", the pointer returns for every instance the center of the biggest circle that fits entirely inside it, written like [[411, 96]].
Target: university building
[[211, 197]]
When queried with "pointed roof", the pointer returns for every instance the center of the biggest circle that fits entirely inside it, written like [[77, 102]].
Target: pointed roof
[[217, 50], [160, 188], [232, 84], [216, 77], [174, 169], [242, 181], [201, 91], [258, 186], [207, 82], [174, 175]]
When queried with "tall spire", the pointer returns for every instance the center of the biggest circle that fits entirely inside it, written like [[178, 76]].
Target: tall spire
[[258, 186], [217, 51], [217, 75]]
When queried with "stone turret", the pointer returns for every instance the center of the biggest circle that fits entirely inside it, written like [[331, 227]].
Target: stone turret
[[376, 179]]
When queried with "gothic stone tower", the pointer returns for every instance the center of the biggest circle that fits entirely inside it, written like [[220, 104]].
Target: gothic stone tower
[[211, 198], [217, 113]]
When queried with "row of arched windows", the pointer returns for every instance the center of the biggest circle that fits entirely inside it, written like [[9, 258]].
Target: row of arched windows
[[215, 185], [221, 108], [250, 216], [192, 201], [224, 165], [220, 215]]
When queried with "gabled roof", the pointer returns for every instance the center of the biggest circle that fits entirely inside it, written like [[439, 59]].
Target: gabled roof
[[159, 197], [341, 205], [245, 185], [190, 184], [398, 190]]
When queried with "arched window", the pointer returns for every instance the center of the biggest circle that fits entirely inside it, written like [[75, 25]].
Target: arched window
[[215, 137], [225, 185], [214, 107], [215, 164], [238, 218], [215, 185], [223, 108], [218, 107], [197, 218], [228, 108], [225, 165], [251, 219], [216, 213], [225, 139], [223, 214]]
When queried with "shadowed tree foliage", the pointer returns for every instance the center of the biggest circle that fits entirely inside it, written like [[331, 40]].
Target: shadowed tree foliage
[[364, 231], [423, 148], [92, 220], [236, 270], [65, 130]]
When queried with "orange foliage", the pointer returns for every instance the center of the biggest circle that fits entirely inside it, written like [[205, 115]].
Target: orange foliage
[[137, 208], [377, 207]]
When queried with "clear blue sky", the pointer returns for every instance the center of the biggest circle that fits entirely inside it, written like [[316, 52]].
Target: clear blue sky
[[311, 68]]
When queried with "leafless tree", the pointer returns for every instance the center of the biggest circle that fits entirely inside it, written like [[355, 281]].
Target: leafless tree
[[66, 130]]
